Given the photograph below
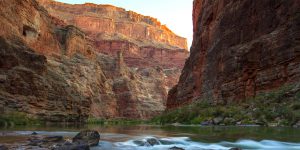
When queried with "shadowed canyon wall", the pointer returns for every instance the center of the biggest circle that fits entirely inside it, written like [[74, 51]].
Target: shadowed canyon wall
[[53, 71], [144, 40], [240, 48]]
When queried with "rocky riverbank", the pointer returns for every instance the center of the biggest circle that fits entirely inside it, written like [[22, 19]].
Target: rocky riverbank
[[82, 141], [276, 108]]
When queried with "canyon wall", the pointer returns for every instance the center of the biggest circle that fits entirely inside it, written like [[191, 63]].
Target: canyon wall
[[52, 71], [240, 48], [143, 39]]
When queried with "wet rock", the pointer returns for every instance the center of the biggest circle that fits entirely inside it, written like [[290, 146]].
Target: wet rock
[[54, 139], [165, 142], [72, 146], [147, 142], [33, 133], [45, 141], [176, 148], [35, 141], [89, 137], [3, 147], [206, 123], [140, 143], [153, 141], [235, 148]]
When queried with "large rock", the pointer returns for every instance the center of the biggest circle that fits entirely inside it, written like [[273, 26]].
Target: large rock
[[240, 48], [3, 147], [88, 136]]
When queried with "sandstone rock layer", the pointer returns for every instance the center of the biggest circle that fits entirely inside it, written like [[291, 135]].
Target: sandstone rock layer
[[143, 39], [240, 48], [52, 71]]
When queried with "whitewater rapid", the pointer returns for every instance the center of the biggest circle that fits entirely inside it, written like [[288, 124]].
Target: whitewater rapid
[[187, 144]]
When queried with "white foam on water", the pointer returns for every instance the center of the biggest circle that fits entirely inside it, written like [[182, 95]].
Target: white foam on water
[[188, 144], [182, 142], [263, 145]]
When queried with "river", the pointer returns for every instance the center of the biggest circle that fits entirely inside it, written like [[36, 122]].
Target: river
[[187, 137]]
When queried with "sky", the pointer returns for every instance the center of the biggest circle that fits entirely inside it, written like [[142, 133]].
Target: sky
[[176, 14]]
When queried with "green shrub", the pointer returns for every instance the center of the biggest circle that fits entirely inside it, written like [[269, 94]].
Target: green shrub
[[120, 121], [17, 118], [198, 120]]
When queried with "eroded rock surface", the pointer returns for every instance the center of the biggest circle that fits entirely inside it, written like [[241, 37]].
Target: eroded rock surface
[[144, 40], [52, 71], [240, 48]]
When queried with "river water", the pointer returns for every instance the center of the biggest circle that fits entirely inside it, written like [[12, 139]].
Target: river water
[[187, 137]]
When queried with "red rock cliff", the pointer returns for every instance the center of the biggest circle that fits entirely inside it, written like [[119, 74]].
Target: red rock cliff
[[142, 39], [50, 70], [240, 48]]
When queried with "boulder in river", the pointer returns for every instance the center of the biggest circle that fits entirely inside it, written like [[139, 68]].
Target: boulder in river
[[89, 137]]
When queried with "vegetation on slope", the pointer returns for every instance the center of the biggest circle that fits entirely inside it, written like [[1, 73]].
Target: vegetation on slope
[[275, 108], [121, 121], [15, 119]]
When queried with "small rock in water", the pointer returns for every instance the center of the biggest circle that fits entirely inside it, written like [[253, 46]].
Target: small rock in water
[[165, 142], [139, 143], [235, 148], [89, 137], [33, 133], [153, 141], [176, 148]]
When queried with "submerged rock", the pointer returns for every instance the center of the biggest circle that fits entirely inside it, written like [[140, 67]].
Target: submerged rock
[[147, 142], [235, 148], [89, 137], [153, 141], [176, 148]]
